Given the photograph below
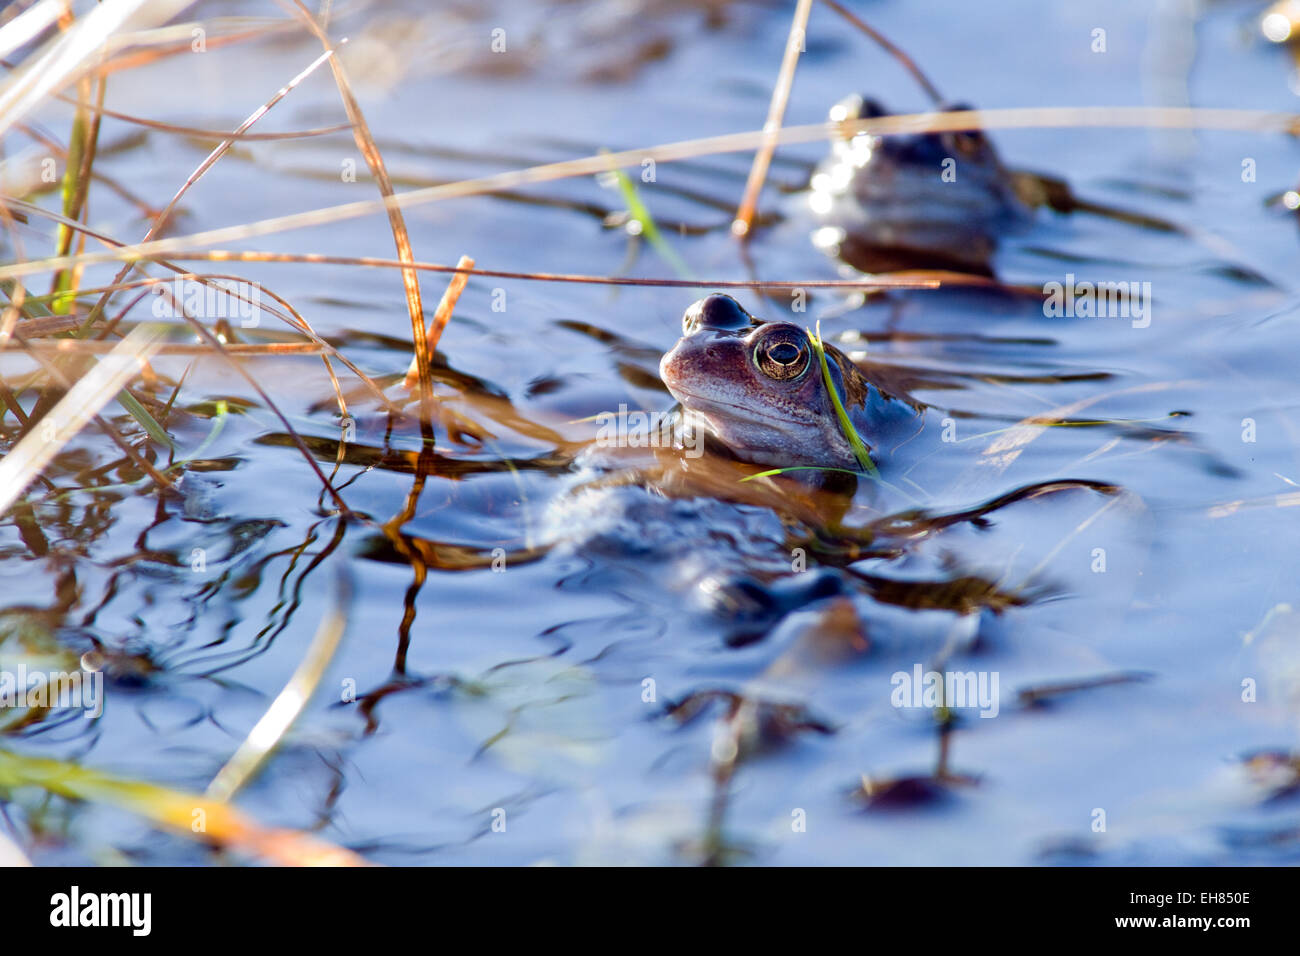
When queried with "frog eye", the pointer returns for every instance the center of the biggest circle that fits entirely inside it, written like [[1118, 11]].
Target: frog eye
[[968, 143], [782, 355]]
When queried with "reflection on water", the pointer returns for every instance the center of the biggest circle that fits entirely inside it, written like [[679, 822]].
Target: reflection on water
[[563, 651]]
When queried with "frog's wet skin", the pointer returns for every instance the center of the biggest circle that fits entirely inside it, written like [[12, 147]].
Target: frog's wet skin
[[944, 200], [884, 202], [757, 388], [930, 200]]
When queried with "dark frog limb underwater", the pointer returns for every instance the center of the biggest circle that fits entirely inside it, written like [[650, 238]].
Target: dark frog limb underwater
[[758, 389]]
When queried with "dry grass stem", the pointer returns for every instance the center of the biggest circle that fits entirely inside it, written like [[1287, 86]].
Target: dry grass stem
[[441, 317], [775, 114]]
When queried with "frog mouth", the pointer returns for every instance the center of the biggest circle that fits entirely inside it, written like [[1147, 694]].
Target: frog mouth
[[711, 409]]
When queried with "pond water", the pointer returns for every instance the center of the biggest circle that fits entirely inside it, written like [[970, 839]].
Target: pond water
[[590, 655]]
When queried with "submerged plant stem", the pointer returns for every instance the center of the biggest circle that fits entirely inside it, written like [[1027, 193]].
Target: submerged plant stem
[[288, 704]]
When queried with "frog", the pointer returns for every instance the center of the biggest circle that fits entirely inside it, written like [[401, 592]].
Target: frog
[[758, 393], [757, 389], [940, 200]]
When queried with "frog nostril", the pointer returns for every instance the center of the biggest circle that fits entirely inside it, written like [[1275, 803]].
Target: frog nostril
[[716, 311]]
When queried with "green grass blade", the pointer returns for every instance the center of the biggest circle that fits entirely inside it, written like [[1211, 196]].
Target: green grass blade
[[641, 214], [147, 421], [846, 424], [35, 306], [782, 471]]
